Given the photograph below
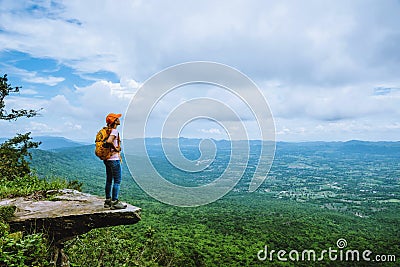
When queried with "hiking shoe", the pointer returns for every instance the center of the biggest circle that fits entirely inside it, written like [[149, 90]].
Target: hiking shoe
[[107, 203], [118, 205]]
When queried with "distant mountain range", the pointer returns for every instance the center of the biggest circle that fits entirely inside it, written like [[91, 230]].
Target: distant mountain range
[[55, 143]]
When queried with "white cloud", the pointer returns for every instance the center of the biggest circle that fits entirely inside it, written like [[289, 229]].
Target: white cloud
[[73, 126], [39, 128], [373, 129], [23, 102], [28, 92], [318, 63], [103, 97], [330, 103], [77, 117], [211, 131], [278, 38], [50, 80], [33, 76]]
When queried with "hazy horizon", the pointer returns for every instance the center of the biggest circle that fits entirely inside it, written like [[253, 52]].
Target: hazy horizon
[[88, 142]]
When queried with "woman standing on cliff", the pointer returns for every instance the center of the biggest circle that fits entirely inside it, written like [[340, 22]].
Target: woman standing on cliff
[[113, 164]]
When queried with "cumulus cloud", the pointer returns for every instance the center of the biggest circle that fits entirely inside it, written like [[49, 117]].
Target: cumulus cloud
[[320, 64], [276, 38], [331, 103], [77, 116]]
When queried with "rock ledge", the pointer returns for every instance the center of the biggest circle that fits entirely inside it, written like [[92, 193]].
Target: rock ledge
[[68, 214]]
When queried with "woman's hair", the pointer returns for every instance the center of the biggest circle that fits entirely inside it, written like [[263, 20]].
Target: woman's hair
[[111, 125]]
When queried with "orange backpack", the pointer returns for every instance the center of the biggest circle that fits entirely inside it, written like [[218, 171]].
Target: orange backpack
[[103, 150]]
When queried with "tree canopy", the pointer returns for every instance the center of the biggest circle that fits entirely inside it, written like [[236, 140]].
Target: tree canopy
[[14, 151]]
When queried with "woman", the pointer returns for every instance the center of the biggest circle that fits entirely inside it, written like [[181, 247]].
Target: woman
[[113, 164]]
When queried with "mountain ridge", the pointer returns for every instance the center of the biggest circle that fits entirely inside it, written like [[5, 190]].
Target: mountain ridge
[[59, 142]]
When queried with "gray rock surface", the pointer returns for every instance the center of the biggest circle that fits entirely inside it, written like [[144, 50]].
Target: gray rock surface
[[69, 213]]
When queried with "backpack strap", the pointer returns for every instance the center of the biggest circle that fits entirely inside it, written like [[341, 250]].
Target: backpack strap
[[119, 145], [108, 131]]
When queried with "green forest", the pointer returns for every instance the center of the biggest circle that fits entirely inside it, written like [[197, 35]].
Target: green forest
[[232, 230]]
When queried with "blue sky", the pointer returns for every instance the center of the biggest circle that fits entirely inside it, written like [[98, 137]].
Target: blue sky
[[330, 70]]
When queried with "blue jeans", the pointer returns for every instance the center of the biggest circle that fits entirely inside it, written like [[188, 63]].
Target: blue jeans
[[113, 171]]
